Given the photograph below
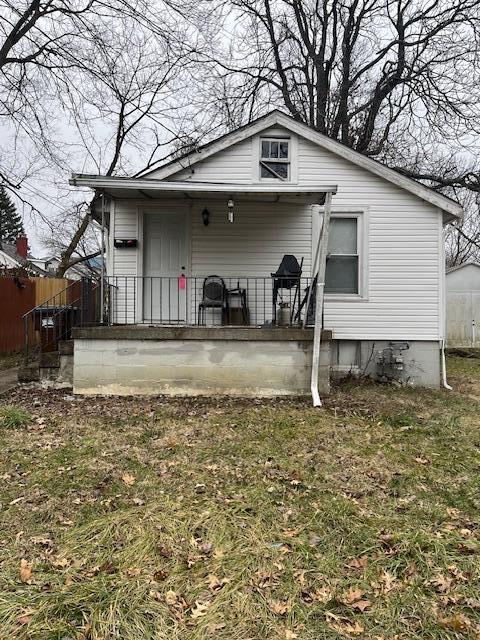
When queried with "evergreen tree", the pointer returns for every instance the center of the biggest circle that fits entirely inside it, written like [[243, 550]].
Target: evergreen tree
[[11, 225]]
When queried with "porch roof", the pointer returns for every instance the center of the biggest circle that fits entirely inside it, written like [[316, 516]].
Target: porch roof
[[152, 189]]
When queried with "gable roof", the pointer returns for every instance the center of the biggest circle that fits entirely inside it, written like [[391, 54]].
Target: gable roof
[[461, 266], [11, 259], [278, 118]]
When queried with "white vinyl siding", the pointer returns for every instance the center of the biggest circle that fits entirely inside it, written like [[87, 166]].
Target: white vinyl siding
[[402, 245], [124, 263], [233, 164], [403, 253]]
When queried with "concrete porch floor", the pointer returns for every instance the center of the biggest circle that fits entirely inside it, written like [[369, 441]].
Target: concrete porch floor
[[156, 332]]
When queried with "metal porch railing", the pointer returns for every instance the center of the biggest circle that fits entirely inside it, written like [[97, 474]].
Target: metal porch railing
[[180, 300]]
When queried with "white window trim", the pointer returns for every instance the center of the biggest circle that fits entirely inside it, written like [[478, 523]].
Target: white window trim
[[362, 216], [292, 152]]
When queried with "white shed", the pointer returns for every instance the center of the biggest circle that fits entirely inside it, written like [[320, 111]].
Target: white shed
[[463, 305]]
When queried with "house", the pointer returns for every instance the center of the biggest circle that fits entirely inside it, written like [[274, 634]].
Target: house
[[15, 255], [49, 265], [463, 305], [234, 208]]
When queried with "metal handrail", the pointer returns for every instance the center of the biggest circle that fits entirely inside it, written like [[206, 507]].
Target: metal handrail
[[54, 307], [40, 306]]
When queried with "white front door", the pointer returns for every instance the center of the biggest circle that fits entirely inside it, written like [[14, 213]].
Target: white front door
[[164, 269]]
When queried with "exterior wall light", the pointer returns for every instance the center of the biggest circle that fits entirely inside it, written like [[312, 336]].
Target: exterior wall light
[[230, 205], [206, 217]]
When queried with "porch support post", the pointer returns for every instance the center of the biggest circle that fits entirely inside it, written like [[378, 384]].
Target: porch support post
[[318, 327], [102, 266]]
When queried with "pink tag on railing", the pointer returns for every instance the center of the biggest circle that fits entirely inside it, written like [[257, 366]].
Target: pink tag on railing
[[182, 282]]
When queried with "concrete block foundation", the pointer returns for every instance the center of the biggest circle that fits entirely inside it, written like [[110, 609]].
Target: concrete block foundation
[[359, 357], [250, 362]]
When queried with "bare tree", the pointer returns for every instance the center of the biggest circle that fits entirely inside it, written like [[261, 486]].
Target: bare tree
[[111, 70], [131, 91], [398, 80], [463, 240], [361, 71]]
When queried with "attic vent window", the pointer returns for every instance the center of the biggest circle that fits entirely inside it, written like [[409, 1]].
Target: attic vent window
[[275, 158]]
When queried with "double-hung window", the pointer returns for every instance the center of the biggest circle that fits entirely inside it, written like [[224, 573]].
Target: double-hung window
[[275, 158], [342, 271]]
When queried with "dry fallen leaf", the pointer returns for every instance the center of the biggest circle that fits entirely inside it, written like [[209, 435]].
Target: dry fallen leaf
[[322, 595], [25, 617], [206, 548], [128, 479], [279, 607], [421, 460], [25, 570], [212, 627], [59, 562], [42, 540], [199, 610], [343, 625], [457, 622], [300, 576], [353, 595], [290, 635], [358, 563], [441, 583], [387, 583], [361, 605], [215, 583], [171, 597]]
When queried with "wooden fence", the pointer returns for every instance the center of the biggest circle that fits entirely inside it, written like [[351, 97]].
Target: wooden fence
[[46, 288], [19, 294]]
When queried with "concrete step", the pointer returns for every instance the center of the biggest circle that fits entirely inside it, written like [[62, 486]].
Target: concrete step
[[50, 360], [29, 372], [65, 347]]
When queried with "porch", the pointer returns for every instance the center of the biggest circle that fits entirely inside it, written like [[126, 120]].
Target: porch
[[197, 297], [257, 343]]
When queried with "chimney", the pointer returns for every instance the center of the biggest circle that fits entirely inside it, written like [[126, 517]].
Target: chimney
[[22, 246]]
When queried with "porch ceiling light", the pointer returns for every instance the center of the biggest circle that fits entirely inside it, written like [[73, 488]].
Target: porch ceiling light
[[206, 217], [230, 205]]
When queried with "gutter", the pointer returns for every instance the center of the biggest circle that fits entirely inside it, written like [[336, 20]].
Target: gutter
[[146, 184]]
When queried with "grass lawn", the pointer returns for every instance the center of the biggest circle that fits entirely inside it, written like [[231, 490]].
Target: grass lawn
[[190, 519]]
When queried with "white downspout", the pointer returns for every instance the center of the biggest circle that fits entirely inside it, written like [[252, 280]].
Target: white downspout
[[443, 311], [444, 369], [318, 327]]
